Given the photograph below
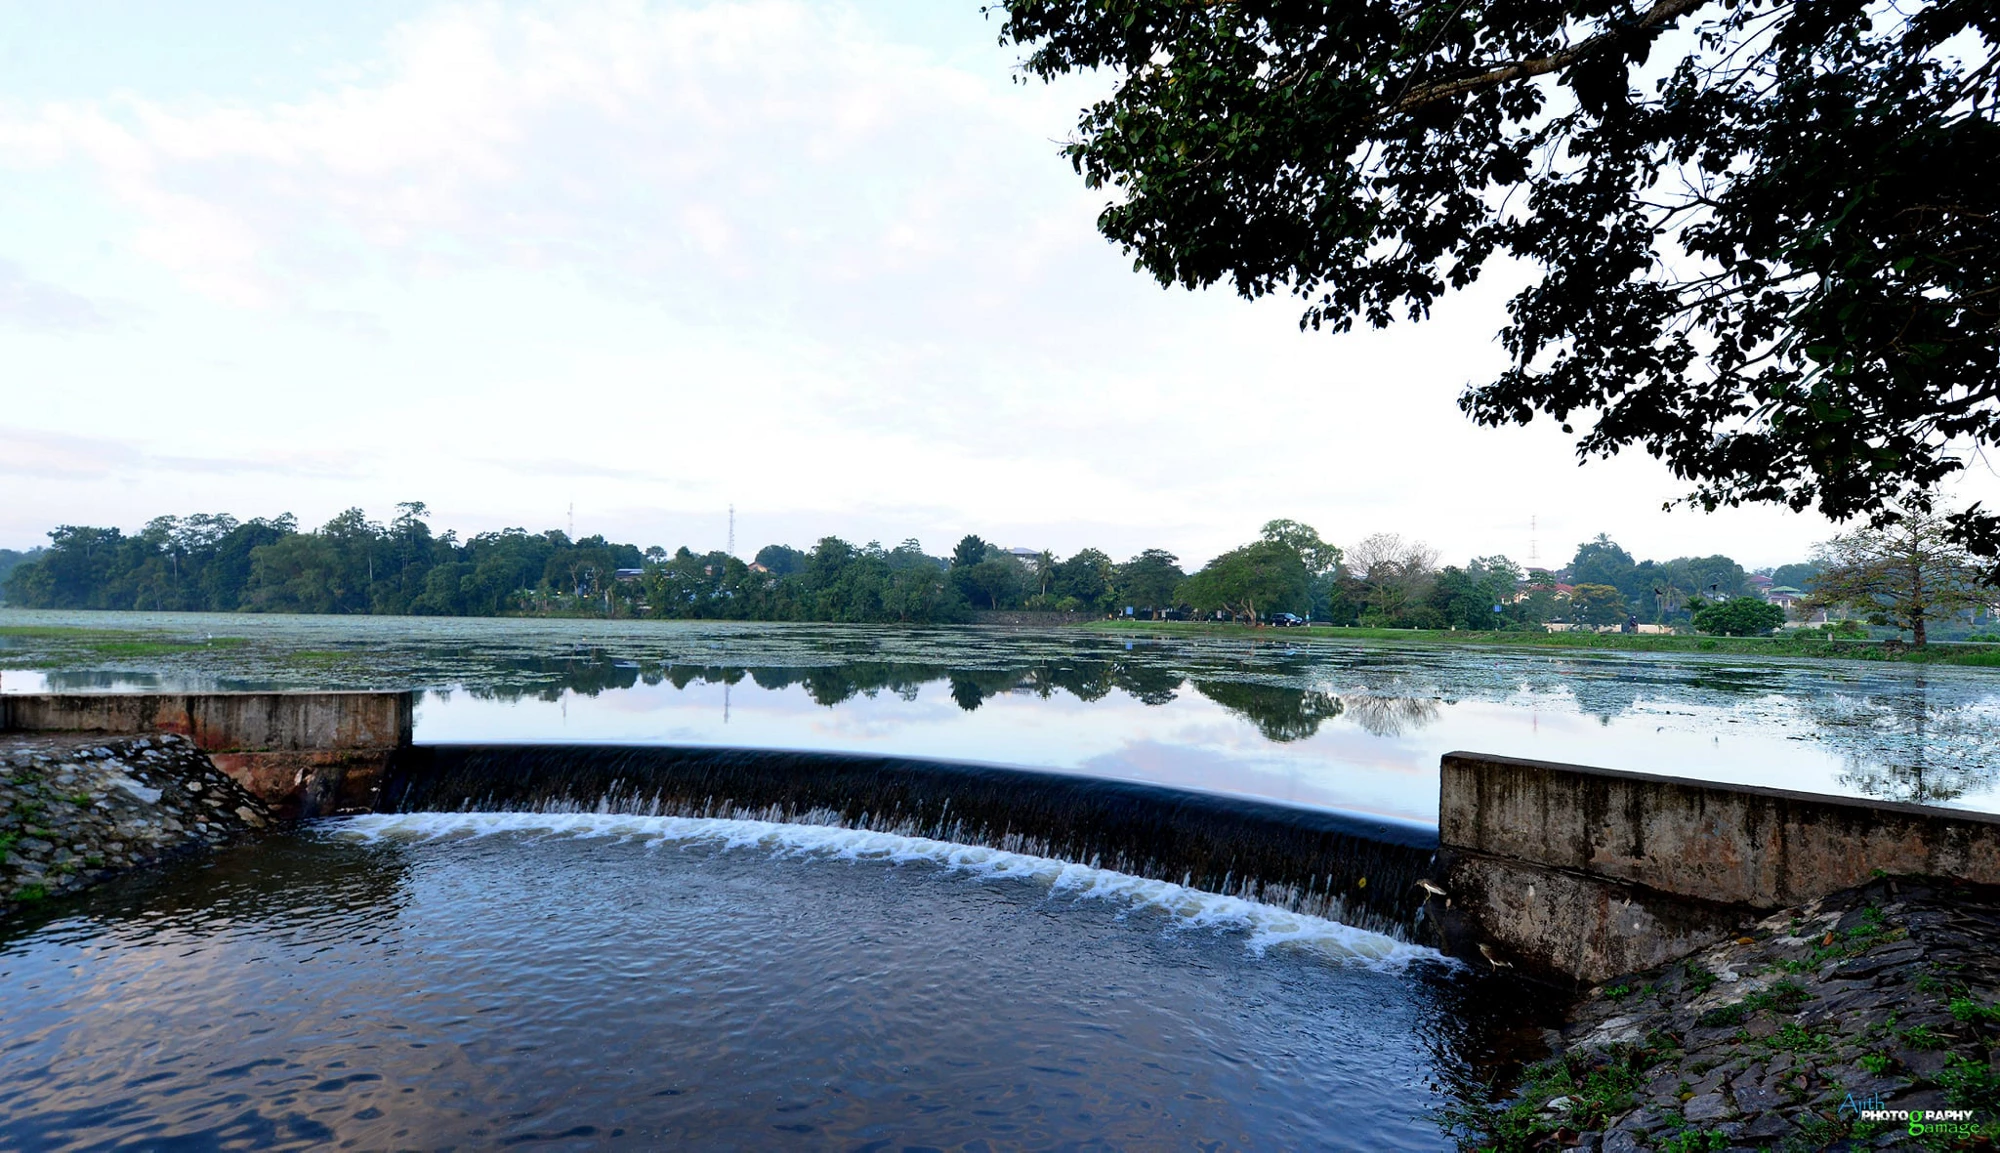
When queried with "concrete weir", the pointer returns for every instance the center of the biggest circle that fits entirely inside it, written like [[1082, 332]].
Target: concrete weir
[[1357, 869], [303, 754], [1567, 873], [1581, 874]]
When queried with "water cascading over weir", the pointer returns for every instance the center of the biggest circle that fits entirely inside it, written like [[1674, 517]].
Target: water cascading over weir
[[329, 754], [1567, 873], [1358, 870]]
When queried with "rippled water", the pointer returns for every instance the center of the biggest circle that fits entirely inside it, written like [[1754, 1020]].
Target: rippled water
[[1310, 719], [574, 981]]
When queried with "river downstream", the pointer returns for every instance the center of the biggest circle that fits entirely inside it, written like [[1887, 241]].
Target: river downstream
[[569, 982]]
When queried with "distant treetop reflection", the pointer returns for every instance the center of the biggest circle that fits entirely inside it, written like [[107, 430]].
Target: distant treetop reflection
[[1281, 714], [1911, 745], [1882, 730], [1390, 716]]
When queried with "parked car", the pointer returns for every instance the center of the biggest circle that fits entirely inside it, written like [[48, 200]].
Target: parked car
[[1287, 620]]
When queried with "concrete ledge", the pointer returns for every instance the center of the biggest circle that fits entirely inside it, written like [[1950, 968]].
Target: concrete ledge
[[1585, 873], [303, 754]]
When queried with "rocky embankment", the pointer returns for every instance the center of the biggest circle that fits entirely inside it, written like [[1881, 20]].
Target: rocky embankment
[[1831, 1026], [75, 811]]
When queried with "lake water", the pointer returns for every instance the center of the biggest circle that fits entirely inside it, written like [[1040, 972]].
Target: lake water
[[1303, 719], [576, 979]]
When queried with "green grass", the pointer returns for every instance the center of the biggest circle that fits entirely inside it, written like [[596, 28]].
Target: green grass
[[1971, 1012], [119, 642], [1783, 997], [1924, 1037], [1970, 1084], [1809, 643], [1598, 1089], [142, 648], [1696, 1141], [1699, 978], [1796, 1038], [1874, 930]]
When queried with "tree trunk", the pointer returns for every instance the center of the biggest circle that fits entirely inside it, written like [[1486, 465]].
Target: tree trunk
[[1917, 605]]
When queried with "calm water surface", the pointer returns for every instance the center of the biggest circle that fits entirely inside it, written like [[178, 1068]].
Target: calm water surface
[[1310, 720], [489, 980]]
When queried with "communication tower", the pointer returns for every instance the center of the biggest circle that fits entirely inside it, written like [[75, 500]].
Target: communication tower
[[1534, 546], [732, 530]]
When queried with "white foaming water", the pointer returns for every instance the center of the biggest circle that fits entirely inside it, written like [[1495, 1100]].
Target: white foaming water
[[1263, 926]]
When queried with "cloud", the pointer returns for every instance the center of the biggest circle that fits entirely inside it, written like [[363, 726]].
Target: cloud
[[765, 158], [63, 456], [662, 258], [558, 468], [35, 306]]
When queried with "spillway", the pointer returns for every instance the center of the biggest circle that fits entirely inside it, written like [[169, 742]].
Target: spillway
[[1355, 869]]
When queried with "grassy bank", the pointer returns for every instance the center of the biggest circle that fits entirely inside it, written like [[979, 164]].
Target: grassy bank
[[115, 642], [1802, 644]]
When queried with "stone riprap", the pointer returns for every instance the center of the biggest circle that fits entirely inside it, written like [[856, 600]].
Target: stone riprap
[[1884, 997], [78, 810]]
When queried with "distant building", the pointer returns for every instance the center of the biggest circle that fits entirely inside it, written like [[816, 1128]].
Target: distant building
[[1561, 590], [1784, 596], [629, 574]]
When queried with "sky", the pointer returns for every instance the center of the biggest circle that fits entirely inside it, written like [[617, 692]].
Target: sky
[[822, 262]]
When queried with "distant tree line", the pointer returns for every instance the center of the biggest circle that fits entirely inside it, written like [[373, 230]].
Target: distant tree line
[[216, 563], [10, 559], [1387, 581]]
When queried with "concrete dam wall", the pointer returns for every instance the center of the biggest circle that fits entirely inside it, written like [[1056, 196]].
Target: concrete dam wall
[[1568, 872], [1584, 873], [303, 754], [1356, 869]]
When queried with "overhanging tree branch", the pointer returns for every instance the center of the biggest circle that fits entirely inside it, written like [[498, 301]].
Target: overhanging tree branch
[[1654, 17]]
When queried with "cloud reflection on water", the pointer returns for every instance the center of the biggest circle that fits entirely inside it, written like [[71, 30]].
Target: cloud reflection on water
[[1316, 722]]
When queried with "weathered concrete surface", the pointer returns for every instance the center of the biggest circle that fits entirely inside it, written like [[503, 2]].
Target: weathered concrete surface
[[1566, 926], [1586, 873], [303, 754]]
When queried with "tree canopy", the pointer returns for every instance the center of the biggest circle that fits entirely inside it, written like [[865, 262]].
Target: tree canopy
[[1739, 617], [1909, 574], [1261, 577], [1765, 234], [1148, 581]]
